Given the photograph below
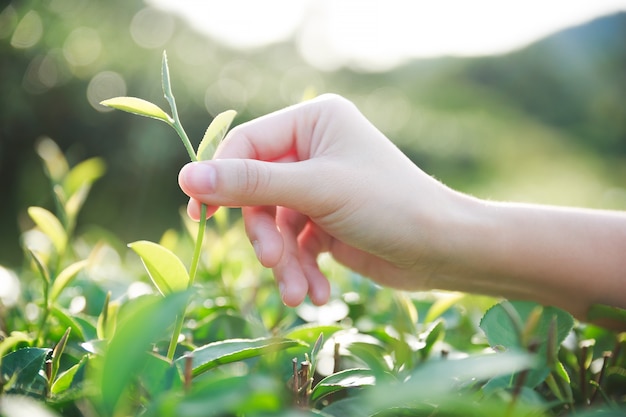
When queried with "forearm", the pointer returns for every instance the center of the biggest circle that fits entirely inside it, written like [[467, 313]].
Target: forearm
[[570, 258]]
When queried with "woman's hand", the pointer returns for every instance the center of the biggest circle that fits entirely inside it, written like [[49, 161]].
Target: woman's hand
[[319, 177]]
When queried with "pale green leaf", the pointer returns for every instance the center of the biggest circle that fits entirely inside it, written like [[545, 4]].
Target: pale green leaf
[[50, 226], [54, 160], [165, 268], [138, 106], [41, 265], [214, 134], [65, 277], [83, 173]]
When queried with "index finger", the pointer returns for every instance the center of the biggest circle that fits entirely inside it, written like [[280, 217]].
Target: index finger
[[282, 136]]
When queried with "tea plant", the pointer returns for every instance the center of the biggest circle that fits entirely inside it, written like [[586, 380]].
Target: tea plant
[[87, 336]]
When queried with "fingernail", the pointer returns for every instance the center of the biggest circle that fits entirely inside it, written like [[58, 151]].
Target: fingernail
[[199, 177], [281, 289]]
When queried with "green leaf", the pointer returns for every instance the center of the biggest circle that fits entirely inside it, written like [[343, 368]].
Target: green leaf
[[233, 350], [309, 333], [54, 160], [57, 352], [160, 375], [22, 368], [67, 319], [605, 312], [65, 278], [349, 378], [165, 268], [50, 226], [71, 377], [438, 379], [15, 338], [214, 134], [442, 305], [435, 333], [41, 266], [86, 172], [143, 322], [139, 107], [496, 323]]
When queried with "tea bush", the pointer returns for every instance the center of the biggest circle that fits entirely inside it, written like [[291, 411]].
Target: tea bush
[[90, 331]]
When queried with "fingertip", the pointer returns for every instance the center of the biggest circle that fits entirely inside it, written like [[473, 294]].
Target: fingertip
[[293, 293], [193, 209]]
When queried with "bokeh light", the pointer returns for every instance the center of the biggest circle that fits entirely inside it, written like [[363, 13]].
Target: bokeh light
[[82, 46], [104, 85], [28, 31], [151, 28]]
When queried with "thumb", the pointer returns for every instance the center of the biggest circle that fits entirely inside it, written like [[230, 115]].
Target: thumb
[[249, 182]]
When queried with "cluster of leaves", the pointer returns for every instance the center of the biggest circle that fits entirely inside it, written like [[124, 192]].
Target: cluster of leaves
[[94, 334]]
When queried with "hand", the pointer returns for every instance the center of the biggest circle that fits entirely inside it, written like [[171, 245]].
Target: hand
[[318, 177]]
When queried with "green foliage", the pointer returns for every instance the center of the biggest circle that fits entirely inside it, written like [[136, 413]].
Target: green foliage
[[91, 337], [240, 351]]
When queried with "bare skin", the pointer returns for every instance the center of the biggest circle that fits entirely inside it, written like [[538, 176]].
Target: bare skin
[[319, 177]]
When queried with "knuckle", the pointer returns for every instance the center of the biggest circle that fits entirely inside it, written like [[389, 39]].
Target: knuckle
[[253, 178]]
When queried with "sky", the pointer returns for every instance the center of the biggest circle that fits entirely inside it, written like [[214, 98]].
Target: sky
[[378, 35]]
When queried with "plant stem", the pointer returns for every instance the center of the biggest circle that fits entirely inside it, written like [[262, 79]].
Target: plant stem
[[178, 127], [195, 260], [178, 327]]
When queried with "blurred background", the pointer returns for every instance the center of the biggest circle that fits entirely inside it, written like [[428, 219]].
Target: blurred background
[[504, 100]]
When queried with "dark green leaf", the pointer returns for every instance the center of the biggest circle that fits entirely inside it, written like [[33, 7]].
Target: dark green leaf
[[496, 323], [349, 378], [214, 354], [22, 368], [160, 375], [604, 312]]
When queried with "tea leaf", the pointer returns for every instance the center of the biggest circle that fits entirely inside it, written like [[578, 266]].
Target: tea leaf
[[139, 107], [22, 369], [348, 378], [9, 342], [41, 266], [57, 352], [70, 377], [214, 134], [50, 226], [65, 318], [65, 277], [233, 350], [496, 323], [165, 268], [143, 321], [86, 172], [604, 312], [54, 160]]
